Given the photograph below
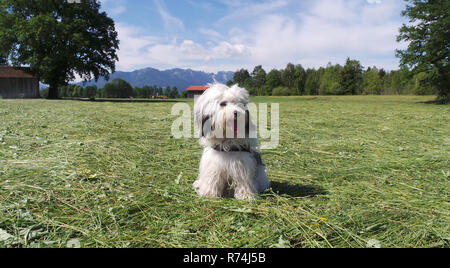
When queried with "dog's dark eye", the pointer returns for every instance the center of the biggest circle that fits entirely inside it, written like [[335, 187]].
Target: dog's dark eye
[[223, 104]]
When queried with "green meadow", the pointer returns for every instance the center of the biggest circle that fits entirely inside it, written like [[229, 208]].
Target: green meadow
[[349, 171]]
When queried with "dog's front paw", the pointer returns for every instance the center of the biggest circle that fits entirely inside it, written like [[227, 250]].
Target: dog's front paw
[[205, 191], [245, 196]]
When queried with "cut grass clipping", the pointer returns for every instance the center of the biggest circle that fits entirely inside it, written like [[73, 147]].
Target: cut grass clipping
[[359, 171]]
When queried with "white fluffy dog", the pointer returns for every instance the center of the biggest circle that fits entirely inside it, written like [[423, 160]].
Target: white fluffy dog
[[231, 164]]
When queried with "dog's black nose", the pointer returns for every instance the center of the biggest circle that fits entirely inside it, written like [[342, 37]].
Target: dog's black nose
[[235, 113]]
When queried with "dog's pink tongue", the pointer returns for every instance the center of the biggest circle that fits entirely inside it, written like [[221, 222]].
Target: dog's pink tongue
[[235, 129]]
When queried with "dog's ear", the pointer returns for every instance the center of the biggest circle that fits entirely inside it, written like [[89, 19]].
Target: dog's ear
[[247, 123], [206, 124]]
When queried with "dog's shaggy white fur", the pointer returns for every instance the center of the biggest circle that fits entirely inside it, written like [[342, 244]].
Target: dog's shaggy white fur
[[231, 164]]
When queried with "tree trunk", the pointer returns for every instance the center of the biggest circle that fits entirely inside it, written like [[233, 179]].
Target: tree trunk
[[53, 92], [444, 86]]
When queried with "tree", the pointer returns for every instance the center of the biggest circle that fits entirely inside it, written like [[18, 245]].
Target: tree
[[273, 79], [372, 81], [173, 93], [230, 83], [283, 91], [3, 60], [428, 35], [58, 39], [381, 73], [124, 89], [288, 76], [249, 86], [138, 92], [167, 91], [258, 77], [300, 79], [159, 91], [147, 91], [312, 83], [77, 91], [71, 91], [423, 84], [329, 80], [118, 88], [108, 91], [90, 92], [351, 77], [398, 82], [265, 90], [241, 76]]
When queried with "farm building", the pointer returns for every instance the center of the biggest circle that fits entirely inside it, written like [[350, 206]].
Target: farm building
[[196, 90], [18, 83]]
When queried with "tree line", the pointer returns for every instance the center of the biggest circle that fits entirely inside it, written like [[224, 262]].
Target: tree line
[[350, 79], [82, 41], [294, 80], [118, 88]]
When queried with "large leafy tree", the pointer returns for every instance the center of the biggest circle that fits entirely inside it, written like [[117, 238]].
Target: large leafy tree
[[428, 34], [58, 39]]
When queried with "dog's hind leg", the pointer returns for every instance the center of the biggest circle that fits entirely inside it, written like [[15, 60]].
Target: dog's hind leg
[[262, 182]]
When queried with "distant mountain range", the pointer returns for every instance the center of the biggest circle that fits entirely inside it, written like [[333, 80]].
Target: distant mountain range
[[180, 78]]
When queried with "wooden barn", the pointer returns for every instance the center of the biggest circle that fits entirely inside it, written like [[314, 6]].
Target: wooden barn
[[18, 83], [196, 90]]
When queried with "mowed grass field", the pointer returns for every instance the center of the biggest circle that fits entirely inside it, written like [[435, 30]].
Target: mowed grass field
[[352, 171]]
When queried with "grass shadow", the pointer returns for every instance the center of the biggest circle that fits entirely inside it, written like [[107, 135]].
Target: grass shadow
[[437, 101], [297, 190]]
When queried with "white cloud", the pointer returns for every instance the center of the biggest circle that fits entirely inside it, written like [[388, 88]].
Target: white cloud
[[183, 53], [228, 50], [211, 34], [374, 1], [138, 50], [328, 30], [171, 23], [133, 43], [313, 34]]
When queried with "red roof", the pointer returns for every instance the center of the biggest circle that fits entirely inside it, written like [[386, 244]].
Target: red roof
[[197, 88], [11, 72]]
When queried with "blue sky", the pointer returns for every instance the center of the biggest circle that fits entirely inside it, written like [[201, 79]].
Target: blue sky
[[215, 35]]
